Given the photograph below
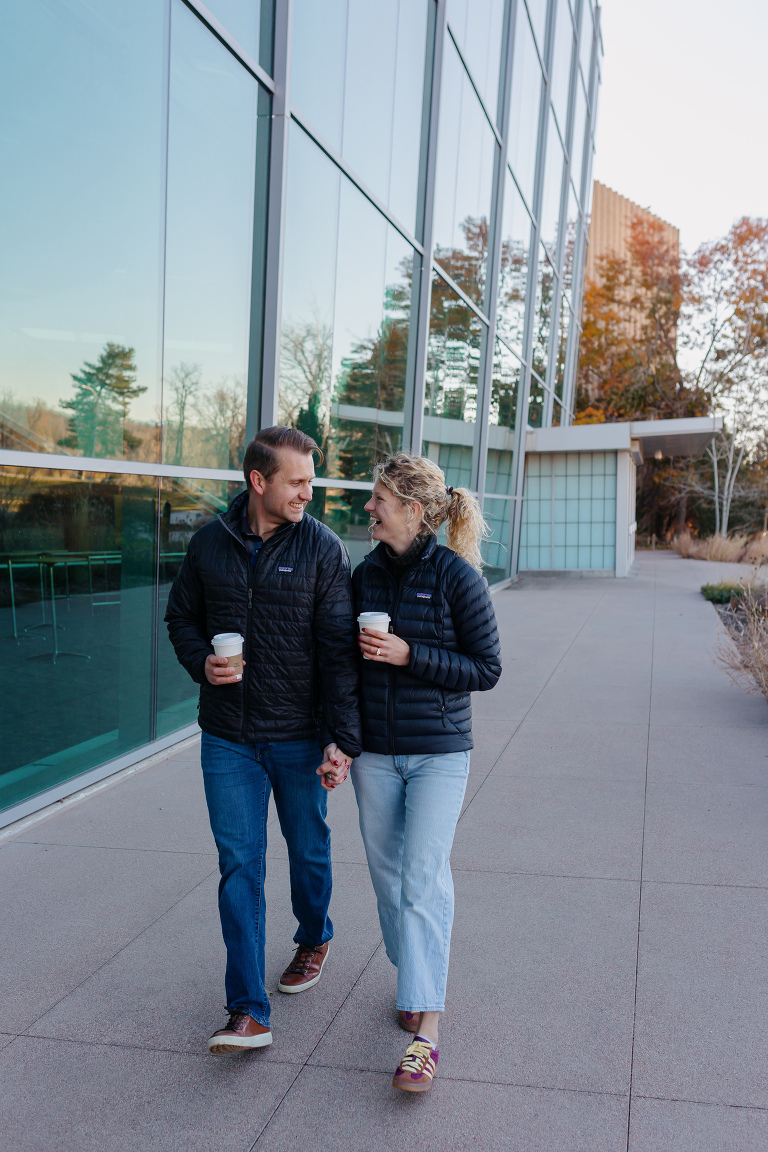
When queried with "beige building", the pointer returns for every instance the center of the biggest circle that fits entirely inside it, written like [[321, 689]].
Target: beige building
[[609, 226]]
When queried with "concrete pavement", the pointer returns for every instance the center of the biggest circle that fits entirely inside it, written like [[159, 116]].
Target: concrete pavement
[[609, 967]]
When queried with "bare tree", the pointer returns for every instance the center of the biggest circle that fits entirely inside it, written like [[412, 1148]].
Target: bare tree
[[184, 383], [222, 415]]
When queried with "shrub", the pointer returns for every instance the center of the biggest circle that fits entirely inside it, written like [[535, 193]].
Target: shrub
[[717, 547], [722, 593], [743, 650], [757, 550]]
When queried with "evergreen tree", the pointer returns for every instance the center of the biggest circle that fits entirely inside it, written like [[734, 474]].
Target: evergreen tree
[[103, 393]]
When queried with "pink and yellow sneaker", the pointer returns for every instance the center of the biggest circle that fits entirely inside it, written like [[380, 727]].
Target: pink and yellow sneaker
[[417, 1068]]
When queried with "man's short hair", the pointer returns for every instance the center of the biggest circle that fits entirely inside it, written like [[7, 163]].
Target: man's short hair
[[261, 454]]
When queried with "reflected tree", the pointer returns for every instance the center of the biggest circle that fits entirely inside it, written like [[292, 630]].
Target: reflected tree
[[184, 383], [222, 415], [99, 408]]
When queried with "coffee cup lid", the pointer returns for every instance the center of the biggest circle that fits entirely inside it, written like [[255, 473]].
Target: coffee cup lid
[[227, 637]]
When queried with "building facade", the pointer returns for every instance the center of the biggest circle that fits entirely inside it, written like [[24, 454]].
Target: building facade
[[368, 220]]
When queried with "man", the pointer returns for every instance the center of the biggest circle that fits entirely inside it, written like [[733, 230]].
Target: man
[[281, 579]]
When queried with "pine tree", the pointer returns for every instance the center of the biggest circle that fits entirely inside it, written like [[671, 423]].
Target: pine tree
[[103, 393]]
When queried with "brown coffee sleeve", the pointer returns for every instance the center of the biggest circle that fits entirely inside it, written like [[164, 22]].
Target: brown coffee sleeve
[[236, 662]]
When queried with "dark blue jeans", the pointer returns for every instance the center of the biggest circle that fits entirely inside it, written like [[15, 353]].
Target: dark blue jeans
[[238, 779]]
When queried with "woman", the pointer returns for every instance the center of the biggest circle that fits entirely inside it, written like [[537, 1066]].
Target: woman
[[417, 725]]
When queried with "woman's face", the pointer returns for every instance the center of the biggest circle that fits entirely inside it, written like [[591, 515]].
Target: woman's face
[[393, 522]]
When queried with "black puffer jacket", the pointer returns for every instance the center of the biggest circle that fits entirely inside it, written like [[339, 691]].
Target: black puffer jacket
[[443, 609], [295, 612]]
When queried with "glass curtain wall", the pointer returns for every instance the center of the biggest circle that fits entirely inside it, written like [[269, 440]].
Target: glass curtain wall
[[394, 259]]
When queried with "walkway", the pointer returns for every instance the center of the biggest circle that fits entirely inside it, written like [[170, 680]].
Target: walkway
[[618, 795]]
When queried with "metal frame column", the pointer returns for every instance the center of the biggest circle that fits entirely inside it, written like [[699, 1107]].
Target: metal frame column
[[413, 416], [278, 171]]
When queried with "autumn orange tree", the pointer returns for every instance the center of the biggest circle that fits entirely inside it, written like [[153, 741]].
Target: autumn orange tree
[[664, 337]]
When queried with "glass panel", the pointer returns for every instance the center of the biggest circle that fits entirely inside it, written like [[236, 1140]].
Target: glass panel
[[495, 549], [456, 461], [465, 155], [212, 161], [536, 401], [513, 274], [585, 42], [185, 505], [564, 328], [77, 594], [545, 294], [538, 13], [478, 28], [503, 411], [577, 139], [553, 185], [571, 236], [250, 23], [346, 307], [82, 126], [359, 81], [343, 510], [561, 64], [453, 358], [524, 107]]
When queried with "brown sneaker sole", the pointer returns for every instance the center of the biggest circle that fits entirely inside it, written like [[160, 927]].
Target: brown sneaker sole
[[409, 1025], [421, 1086], [217, 1046]]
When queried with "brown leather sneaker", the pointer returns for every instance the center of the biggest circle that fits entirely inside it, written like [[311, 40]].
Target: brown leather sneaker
[[241, 1033], [409, 1021], [304, 970]]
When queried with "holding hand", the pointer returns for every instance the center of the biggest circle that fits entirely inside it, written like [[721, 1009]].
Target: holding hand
[[334, 768], [384, 647], [217, 671]]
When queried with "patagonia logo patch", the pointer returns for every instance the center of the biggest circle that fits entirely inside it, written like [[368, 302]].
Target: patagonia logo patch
[[285, 569], [423, 595]]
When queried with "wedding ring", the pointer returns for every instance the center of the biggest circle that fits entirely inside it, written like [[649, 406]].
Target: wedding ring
[[378, 651]]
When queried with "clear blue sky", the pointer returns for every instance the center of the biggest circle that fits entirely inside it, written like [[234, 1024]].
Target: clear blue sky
[[683, 117]]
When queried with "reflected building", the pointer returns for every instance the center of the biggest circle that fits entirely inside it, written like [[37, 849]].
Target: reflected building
[[367, 220]]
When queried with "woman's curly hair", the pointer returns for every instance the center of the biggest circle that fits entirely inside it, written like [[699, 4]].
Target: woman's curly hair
[[417, 479]]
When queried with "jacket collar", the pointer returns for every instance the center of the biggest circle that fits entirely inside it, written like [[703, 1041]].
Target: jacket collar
[[379, 554], [232, 518]]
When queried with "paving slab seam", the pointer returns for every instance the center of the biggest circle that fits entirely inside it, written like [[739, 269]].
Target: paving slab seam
[[563, 876], [127, 944], [584, 623], [707, 884], [115, 848], [642, 859], [274, 1111], [705, 1103], [478, 1080], [196, 1054]]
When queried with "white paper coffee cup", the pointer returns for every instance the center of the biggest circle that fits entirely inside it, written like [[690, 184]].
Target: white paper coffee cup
[[377, 620], [230, 644]]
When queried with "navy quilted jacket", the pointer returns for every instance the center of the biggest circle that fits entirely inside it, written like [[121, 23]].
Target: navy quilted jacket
[[443, 609], [295, 612]]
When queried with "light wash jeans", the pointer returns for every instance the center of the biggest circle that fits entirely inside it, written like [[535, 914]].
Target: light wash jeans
[[409, 806]]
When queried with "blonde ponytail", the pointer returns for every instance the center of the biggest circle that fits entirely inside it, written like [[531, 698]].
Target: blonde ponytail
[[417, 479]]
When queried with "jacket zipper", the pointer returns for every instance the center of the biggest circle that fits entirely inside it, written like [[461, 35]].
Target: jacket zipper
[[392, 680]]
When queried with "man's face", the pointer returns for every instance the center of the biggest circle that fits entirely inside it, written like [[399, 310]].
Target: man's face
[[286, 494]]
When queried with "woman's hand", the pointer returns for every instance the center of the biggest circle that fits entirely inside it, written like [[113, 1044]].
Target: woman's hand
[[334, 768], [384, 647]]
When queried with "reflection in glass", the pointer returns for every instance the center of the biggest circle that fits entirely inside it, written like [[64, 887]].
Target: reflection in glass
[[453, 358], [577, 138], [216, 143], [346, 307], [553, 184], [513, 270], [536, 402], [82, 100], [546, 285], [504, 393], [586, 38], [185, 505], [477, 27], [564, 327], [358, 78], [571, 236], [456, 462], [495, 549], [465, 155], [249, 22], [343, 510], [524, 107], [561, 63], [77, 597]]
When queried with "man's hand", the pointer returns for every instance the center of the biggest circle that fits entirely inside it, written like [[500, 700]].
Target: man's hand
[[217, 671], [334, 768], [384, 647]]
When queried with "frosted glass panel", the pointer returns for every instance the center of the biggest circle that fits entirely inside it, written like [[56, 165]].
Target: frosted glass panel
[[569, 512]]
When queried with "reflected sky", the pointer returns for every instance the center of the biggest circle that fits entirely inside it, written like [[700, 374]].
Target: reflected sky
[[250, 24], [561, 63], [478, 26], [524, 107]]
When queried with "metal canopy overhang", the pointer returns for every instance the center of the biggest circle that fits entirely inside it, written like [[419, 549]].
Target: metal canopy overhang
[[644, 438], [685, 437]]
